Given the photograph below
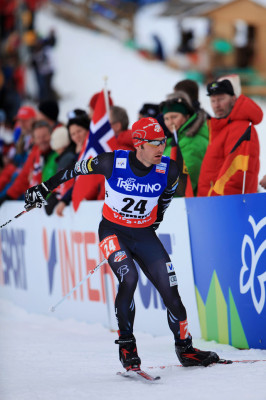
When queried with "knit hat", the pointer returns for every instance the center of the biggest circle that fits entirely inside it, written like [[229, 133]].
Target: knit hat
[[78, 117], [26, 112], [149, 110], [50, 109], [60, 138], [178, 105], [146, 128], [221, 87], [190, 87]]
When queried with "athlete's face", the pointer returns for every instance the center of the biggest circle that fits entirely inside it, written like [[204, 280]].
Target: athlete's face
[[149, 154]]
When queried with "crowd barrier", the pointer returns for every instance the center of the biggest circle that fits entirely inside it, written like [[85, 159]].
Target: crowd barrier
[[216, 246]]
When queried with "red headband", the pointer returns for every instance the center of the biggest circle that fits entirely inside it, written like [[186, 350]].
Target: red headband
[[146, 128]]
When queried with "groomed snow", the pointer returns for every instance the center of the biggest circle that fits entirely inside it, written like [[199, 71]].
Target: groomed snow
[[43, 358]]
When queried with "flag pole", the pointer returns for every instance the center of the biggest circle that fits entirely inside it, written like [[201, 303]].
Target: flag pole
[[105, 92], [244, 182], [244, 176]]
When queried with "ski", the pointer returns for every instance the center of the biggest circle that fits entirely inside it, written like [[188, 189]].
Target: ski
[[138, 374], [221, 361]]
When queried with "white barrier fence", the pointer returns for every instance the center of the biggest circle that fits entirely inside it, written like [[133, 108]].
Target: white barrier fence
[[43, 257]]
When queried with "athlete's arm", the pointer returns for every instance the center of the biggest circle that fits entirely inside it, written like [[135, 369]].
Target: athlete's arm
[[168, 193], [102, 164]]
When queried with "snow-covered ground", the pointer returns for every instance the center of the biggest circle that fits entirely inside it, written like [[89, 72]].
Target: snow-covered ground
[[42, 358]]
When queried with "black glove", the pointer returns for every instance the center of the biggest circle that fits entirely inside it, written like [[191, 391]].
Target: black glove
[[35, 196]]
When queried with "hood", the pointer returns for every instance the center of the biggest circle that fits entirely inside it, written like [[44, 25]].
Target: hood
[[246, 109]]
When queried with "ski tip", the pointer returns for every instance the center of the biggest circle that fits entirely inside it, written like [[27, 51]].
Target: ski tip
[[222, 361]]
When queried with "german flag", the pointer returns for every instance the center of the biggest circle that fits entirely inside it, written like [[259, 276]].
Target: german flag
[[237, 160]]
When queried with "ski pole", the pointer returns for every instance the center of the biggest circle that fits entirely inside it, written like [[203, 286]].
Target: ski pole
[[37, 205], [52, 309]]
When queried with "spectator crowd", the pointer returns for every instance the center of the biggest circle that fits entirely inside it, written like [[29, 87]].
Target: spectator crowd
[[217, 155]]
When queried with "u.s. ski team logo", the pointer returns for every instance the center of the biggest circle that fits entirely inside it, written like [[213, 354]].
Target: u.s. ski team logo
[[119, 256]]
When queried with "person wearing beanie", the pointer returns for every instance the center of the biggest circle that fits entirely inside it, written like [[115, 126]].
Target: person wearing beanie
[[149, 110], [139, 186], [233, 137], [191, 88], [61, 144], [78, 128], [189, 131]]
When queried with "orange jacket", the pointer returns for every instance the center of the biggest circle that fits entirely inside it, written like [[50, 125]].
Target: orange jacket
[[224, 134]]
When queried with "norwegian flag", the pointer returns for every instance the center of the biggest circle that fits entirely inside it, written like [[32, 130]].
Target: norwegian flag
[[101, 134], [99, 140]]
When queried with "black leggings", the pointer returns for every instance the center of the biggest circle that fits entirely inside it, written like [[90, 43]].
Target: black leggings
[[143, 246]]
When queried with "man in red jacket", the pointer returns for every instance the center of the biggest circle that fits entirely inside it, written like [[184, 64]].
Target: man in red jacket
[[123, 136], [40, 162], [231, 163]]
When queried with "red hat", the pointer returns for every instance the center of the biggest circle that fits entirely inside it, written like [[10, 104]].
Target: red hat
[[93, 100], [26, 112], [146, 128]]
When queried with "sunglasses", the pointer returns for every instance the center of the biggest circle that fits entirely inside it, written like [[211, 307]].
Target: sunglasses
[[153, 142]]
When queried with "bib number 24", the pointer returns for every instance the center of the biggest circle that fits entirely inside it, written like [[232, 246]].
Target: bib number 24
[[140, 206]]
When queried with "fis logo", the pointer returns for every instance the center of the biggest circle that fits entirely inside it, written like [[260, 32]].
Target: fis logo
[[161, 168], [119, 256], [121, 163]]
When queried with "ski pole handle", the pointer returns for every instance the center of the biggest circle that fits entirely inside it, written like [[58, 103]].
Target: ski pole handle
[[53, 308], [37, 205]]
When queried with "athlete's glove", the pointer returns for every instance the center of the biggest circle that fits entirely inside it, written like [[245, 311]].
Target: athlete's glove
[[35, 196]]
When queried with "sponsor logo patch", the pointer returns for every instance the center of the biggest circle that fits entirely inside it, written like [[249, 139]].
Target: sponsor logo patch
[[173, 280], [170, 267], [121, 163], [161, 168], [119, 256]]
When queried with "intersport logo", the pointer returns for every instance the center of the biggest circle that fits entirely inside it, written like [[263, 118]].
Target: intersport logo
[[130, 184], [250, 279]]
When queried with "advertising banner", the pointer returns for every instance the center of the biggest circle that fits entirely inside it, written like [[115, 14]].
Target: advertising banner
[[42, 258], [227, 237]]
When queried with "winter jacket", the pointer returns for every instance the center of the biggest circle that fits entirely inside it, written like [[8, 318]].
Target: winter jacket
[[224, 134], [193, 139], [36, 169]]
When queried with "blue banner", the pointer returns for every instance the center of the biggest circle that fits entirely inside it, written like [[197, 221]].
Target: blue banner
[[228, 243]]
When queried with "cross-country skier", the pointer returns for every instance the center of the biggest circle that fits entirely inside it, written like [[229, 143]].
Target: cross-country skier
[[139, 187]]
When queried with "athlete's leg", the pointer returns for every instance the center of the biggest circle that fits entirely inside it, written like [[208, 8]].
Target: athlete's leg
[[158, 268], [122, 264]]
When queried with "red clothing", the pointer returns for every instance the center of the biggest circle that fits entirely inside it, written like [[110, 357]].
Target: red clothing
[[6, 175], [224, 134], [21, 183], [123, 141]]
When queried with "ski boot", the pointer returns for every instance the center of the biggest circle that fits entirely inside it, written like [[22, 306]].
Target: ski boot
[[191, 357], [128, 353]]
